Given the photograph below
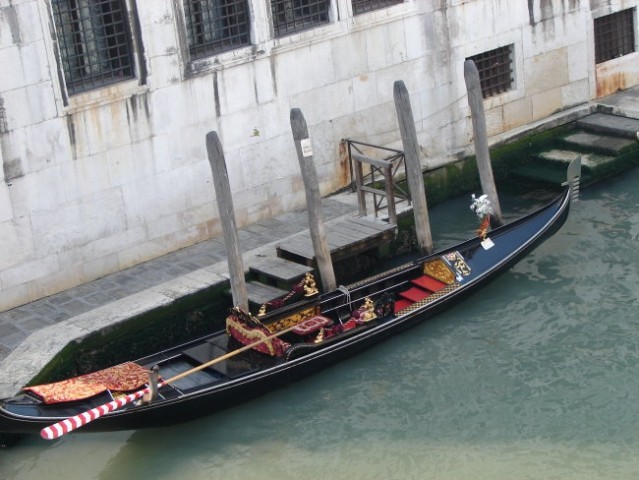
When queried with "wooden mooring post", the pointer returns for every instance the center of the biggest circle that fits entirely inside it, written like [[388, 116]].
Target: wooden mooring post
[[414, 174], [227, 218], [304, 150], [480, 136]]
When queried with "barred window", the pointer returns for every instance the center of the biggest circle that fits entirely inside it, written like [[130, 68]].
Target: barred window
[[363, 6], [495, 70], [290, 16], [214, 26], [614, 35], [94, 42]]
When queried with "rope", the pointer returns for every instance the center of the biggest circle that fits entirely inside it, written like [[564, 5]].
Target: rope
[[347, 294]]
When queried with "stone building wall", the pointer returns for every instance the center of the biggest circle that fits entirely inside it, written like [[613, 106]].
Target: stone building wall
[[101, 180]]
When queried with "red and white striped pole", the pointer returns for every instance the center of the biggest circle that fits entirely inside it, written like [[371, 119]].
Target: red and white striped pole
[[68, 425]]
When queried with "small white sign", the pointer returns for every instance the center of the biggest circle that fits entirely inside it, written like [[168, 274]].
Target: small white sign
[[487, 243], [307, 148]]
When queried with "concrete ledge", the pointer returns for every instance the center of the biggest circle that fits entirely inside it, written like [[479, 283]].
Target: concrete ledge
[[32, 355]]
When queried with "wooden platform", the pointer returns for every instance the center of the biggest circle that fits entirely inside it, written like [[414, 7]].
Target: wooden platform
[[278, 272], [346, 237], [259, 293]]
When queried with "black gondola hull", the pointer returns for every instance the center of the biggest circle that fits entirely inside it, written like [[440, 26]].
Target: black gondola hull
[[512, 242]]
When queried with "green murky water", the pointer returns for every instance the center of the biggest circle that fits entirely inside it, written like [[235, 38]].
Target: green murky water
[[535, 377]]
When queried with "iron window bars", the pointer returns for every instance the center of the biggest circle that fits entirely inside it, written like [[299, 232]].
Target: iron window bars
[[614, 35], [94, 41], [290, 16], [363, 6], [495, 71], [215, 26]]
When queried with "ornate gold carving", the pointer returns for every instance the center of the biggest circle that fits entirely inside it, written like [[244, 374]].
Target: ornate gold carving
[[368, 310], [310, 287], [439, 271], [292, 319], [458, 263]]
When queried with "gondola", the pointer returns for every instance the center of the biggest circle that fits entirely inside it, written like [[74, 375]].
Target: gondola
[[291, 338]]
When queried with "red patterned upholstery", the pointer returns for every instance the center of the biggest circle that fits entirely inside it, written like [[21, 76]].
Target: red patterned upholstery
[[312, 324], [121, 378], [248, 330]]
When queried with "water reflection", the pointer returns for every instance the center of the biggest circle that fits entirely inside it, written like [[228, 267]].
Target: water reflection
[[534, 377]]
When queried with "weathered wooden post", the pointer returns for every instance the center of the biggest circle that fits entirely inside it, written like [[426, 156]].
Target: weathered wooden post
[[313, 199], [480, 135], [414, 174], [227, 217]]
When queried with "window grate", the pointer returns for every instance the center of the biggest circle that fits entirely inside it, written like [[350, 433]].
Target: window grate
[[495, 71], [290, 16], [214, 26], [614, 35], [94, 42], [363, 6]]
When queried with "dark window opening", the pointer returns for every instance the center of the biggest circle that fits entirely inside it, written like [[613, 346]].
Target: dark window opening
[[495, 71], [614, 35], [363, 6], [94, 42], [290, 16], [215, 26]]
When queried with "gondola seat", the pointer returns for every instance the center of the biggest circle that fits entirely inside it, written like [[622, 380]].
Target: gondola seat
[[401, 304], [421, 288], [312, 325], [247, 330], [428, 283], [414, 294]]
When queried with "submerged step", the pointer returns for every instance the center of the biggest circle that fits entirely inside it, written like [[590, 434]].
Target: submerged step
[[588, 160], [547, 172]]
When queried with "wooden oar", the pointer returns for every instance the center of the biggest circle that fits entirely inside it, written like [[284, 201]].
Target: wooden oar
[[68, 425]]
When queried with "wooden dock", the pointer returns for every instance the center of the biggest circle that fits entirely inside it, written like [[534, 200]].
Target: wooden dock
[[346, 237]]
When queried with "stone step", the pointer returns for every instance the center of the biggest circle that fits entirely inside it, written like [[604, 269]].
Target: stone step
[[588, 160], [601, 143], [607, 124], [552, 164], [278, 272]]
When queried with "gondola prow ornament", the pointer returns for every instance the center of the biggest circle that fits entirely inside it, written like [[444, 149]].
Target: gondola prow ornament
[[482, 207]]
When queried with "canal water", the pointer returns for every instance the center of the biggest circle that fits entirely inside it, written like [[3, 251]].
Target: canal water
[[535, 377]]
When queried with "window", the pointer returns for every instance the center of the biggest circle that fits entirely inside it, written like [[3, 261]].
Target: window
[[214, 26], [94, 42], [290, 16], [495, 71], [363, 6], [614, 35]]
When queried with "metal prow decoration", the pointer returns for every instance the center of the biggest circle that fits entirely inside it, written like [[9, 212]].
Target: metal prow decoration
[[573, 177]]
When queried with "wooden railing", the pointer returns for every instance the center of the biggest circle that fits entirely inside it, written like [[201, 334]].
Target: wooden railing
[[384, 170]]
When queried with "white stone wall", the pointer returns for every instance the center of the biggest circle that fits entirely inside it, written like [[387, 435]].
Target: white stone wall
[[119, 175]]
